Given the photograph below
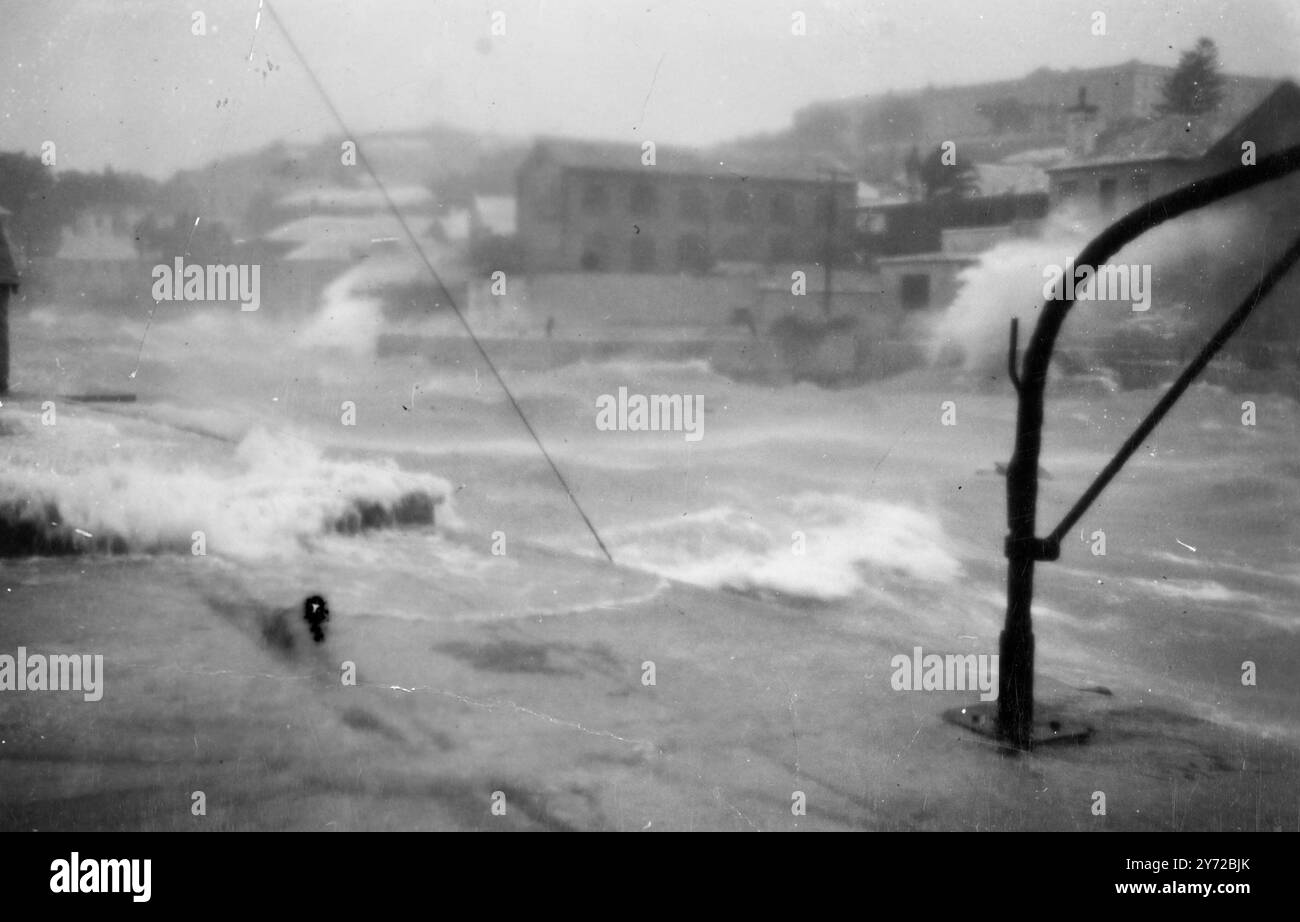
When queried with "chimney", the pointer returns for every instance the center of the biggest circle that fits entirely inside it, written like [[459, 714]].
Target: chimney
[[1081, 126]]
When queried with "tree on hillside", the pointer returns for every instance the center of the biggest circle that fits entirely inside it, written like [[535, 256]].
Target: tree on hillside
[[1006, 114], [1196, 86], [74, 191], [43, 202], [201, 241], [942, 177], [897, 119], [25, 187]]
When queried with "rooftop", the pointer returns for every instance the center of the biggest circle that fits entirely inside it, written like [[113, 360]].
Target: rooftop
[[1178, 137], [938, 258], [357, 198], [626, 157], [1009, 179], [495, 214]]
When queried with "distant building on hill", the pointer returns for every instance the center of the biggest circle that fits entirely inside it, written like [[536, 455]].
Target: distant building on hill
[[99, 259], [101, 233], [597, 207], [995, 119], [1112, 170]]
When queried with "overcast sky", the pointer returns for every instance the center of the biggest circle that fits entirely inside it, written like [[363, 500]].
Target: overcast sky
[[126, 83]]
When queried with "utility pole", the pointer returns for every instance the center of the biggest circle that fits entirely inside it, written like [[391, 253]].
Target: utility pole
[[8, 284], [4, 338], [828, 248]]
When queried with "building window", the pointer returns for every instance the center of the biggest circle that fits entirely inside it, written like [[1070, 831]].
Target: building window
[[593, 254], [780, 248], [783, 208], [641, 253], [595, 198], [914, 291], [740, 248], [693, 205], [1106, 192], [825, 210], [738, 208], [693, 254], [645, 200]]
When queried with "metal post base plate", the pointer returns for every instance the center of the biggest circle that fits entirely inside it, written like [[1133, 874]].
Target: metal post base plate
[[982, 718]]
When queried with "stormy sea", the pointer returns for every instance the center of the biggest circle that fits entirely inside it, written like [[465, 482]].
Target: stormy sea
[[764, 576]]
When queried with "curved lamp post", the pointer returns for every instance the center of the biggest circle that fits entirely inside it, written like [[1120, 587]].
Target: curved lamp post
[[1014, 724]]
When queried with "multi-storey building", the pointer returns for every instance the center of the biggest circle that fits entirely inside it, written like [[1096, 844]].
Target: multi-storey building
[[600, 206]]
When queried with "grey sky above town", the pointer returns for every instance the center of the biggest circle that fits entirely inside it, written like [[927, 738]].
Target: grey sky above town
[[125, 83]]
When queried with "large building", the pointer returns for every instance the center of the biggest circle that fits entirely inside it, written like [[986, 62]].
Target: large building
[[1112, 170], [604, 207]]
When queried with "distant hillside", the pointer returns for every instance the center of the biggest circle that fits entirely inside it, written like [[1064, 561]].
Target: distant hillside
[[988, 121], [869, 135], [241, 190]]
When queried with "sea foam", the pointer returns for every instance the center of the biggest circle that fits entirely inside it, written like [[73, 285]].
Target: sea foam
[[275, 494]]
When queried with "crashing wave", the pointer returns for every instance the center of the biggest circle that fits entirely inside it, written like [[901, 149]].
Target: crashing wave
[[278, 494]]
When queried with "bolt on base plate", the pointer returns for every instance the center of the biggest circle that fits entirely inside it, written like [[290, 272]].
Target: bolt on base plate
[[982, 718]]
